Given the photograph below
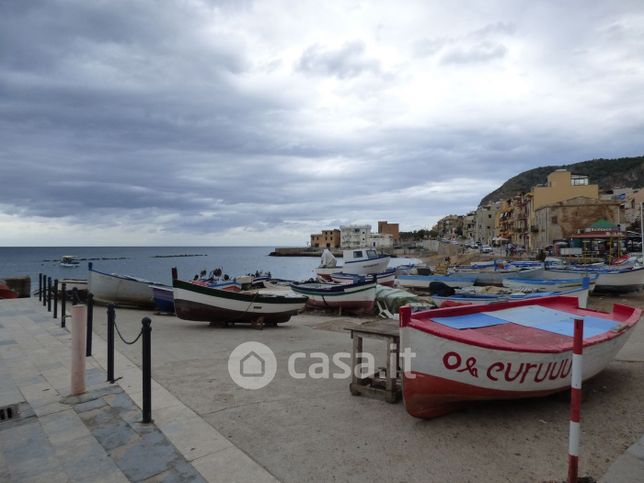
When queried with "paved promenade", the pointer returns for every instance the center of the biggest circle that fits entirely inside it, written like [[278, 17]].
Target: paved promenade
[[98, 436], [295, 430]]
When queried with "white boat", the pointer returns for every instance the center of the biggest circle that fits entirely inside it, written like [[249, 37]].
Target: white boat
[[549, 285], [506, 351], [198, 302], [69, 261], [388, 277], [421, 282], [360, 261], [120, 289], [495, 275], [463, 297], [608, 279], [355, 298]]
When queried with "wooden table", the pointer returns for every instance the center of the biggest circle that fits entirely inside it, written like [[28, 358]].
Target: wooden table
[[385, 384]]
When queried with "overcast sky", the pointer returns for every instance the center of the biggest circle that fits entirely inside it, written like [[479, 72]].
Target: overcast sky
[[199, 122]]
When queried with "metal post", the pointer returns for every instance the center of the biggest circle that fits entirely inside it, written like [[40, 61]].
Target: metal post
[[44, 290], [39, 287], [146, 363], [90, 324], [63, 303], [55, 315], [575, 401], [48, 294], [110, 343]]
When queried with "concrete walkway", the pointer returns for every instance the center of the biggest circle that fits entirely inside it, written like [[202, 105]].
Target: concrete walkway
[[47, 435]]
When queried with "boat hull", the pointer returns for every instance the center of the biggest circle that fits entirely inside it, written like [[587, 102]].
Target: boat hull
[[194, 302], [421, 282], [357, 298], [163, 298], [121, 290], [451, 369], [383, 278], [581, 294], [616, 281]]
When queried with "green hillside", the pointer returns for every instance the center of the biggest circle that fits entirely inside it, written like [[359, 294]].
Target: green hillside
[[607, 173]]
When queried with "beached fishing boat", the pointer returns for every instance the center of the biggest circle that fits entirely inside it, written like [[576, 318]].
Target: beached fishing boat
[[120, 289], [465, 297], [163, 298], [421, 282], [361, 261], [548, 285], [355, 298], [506, 351], [6, 292], [388, 277], [495, 274], [609, 279], [198, 302]]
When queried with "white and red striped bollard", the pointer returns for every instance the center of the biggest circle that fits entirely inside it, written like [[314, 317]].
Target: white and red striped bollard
[[575, 401]]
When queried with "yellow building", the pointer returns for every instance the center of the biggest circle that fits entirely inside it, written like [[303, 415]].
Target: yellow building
[[326, 239]]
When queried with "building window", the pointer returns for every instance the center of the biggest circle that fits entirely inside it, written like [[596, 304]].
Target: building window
[[554, 220]]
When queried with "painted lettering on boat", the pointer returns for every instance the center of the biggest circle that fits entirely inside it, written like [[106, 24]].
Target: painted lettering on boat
[[519, 372]]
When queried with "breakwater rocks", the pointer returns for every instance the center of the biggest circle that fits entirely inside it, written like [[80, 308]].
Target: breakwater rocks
[[301, 252]]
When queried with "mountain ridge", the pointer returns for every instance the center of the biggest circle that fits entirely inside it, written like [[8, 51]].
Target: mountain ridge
[[607, 173]]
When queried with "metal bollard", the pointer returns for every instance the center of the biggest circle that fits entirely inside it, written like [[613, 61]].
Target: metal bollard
[[55, 315], [63, 303], [147, 368], [44, 290], [78, 341], [110, 343], [90, 324], [48, 294], [40, 287]]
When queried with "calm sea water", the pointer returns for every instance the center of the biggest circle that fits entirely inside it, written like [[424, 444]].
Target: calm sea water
[[155, 263]]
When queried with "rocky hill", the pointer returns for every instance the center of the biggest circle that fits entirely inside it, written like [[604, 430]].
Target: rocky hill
[[607, 173]]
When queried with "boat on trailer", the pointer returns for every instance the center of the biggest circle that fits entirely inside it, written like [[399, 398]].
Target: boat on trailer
[[202, 303], [507, 351]]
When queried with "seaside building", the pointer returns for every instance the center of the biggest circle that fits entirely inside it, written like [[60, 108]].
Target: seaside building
[[393, 229], [469, 227], [632, 206], [485, 222], [449, 227], [381, 241], [563, 219], [355, 236], [326, 239], [512, 219]]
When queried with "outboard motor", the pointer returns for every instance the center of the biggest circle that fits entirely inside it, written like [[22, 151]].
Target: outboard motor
[[441, 289]]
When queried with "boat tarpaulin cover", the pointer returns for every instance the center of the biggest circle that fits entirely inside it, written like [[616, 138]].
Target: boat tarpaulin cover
[[470, 321], [555, 321]]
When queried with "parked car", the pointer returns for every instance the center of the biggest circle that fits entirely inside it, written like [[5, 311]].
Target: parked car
[[485, 249]]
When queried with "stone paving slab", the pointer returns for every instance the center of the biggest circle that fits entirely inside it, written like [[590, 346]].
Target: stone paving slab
[[102, 426]]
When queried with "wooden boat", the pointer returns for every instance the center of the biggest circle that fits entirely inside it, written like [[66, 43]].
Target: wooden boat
[[506, 351], [494, 275], [548, 285], [421, 282], [355, 298], [581, 293], [163, 296], [197, 302], [609, 279], [6, 292], [388, 277], [361, 261], [120, 289]]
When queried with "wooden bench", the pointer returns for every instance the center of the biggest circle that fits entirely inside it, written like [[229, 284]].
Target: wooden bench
[[383, 384]]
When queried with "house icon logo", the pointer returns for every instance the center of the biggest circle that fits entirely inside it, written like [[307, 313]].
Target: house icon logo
[[252, 365]]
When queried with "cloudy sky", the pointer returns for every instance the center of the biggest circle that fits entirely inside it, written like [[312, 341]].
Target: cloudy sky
[[234, 122]]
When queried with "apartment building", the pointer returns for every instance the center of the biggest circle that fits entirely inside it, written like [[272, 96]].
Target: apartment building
[[326, 239], [393, 229], [355, 236]]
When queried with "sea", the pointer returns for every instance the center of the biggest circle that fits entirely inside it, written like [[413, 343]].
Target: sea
[[155, 263]]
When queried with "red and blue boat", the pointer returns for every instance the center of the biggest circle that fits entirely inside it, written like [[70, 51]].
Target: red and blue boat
[[507, 350]]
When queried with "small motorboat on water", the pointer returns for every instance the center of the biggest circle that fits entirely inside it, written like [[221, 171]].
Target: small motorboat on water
[[69, 261], [506, 351], [356, 298]]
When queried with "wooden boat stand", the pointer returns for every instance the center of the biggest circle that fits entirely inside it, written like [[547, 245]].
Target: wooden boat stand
[[384, 384]]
